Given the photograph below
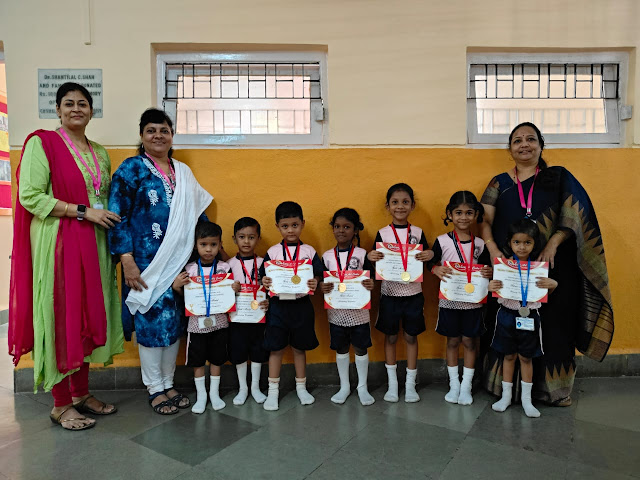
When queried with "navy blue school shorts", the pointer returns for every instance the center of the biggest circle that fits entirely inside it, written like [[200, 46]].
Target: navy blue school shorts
[[290, 322], [211, 347], [245, 343], [460, 323], [407, 311], [358, 335], [508, 340]]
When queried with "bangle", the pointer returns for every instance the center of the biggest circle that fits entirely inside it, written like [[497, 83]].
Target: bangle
[[487, 242], [560, 232], [126, 255], [66, 209]]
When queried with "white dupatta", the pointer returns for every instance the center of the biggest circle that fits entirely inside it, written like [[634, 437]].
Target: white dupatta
[[188, 203]]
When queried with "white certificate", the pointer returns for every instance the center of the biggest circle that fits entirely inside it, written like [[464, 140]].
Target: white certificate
[[355, 297], [506, 270], [391, 267], [281, 274], [223, 298], [244, 313], [452, 288]]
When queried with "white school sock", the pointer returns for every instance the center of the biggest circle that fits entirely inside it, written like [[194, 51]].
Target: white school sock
[[529, 409], [257, 395], [502, 404], [214, 393], [301, 389], [201, 395], [271, 404], [465, 397], [243, 391], [454, 385], [342, 362], [362, 367], [410, 394], [392, 380]]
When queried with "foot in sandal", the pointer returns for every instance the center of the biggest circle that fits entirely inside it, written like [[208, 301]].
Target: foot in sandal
[[69, 418]]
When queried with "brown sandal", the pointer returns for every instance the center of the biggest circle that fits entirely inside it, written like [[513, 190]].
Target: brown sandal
[[57, 420], [563, 402], [82, 407]]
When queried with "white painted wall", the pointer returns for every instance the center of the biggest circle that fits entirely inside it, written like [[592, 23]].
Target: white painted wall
[[397, 72]]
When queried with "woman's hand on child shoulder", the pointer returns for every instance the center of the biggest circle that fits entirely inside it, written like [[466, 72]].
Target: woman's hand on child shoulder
[[368, 283], [266, 282], [181, 280], [544, 282], [425, 255], [486, 272], [312, 284], [495, 285], [375, 255], [326, 287], [442, 272], [236, 286]]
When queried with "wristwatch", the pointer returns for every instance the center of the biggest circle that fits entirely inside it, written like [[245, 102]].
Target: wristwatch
[[82, 210]]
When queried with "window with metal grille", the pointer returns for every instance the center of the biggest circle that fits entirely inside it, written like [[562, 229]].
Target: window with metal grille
[[245, 99], [572, 100]]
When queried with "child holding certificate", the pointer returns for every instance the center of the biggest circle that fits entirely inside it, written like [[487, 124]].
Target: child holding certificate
[[348, 326], [401, 301], [517, 331], [290, 320], [245, 339], [460, 321], [206, 334]]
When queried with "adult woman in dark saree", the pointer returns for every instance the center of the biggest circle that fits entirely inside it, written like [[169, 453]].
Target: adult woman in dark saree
[[63, 297], [579, 314], [160, 202]]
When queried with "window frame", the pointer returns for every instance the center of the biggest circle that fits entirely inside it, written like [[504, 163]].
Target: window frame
[[319, 124], [612, 139]]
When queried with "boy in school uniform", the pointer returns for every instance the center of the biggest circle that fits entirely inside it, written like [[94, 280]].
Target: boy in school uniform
[[290, 319]]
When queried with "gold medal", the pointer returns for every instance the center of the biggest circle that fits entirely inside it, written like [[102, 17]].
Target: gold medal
[[208, 322], [342, 287], [254, 304], [469, 288], [295, 279], [405, 276]]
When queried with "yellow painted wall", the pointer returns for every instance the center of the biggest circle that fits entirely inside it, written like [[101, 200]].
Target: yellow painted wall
[[434, 174]]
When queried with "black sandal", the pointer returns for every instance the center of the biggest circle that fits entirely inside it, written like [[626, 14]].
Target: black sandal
[[176, 399], [158, 407]]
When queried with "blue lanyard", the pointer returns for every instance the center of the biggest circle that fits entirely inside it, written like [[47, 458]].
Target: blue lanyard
[[214, 268], [524, 290]]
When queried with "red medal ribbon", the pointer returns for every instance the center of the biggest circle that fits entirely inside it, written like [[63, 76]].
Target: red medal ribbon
[[468, 265], [342, 273], [529, 203], [404, 252], [295, 256], [161, 172], [247, 275]]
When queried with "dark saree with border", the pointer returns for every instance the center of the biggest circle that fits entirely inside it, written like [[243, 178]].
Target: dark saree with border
[[579, 313]]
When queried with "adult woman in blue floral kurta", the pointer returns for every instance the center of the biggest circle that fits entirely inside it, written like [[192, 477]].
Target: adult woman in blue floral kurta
[[159, 201]]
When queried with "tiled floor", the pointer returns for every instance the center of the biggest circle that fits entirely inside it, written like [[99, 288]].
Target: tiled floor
[[598, 437]]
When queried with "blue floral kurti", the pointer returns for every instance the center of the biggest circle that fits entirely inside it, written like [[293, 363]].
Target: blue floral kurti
[[142, 197]]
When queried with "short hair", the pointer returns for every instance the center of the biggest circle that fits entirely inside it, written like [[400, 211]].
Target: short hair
[[288, 210], [204, 229], [73, 87], [245, 222], [400, 187], [528, 227], [154, 115]]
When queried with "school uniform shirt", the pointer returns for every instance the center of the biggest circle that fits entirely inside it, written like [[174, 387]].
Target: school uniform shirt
[[222, 320], [306, 252], [385, 234], [238, 272], [445, 249], [342, 316]]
